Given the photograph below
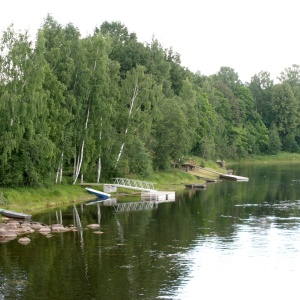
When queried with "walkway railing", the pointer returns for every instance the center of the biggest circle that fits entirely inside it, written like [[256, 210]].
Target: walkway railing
[[135, 206], [134, 184]]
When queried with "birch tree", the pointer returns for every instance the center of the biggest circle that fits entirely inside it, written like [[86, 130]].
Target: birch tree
[[138, 101], [96, 82], [62, 50]]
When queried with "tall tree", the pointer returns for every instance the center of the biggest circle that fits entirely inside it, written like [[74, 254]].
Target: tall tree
[[139, 95], [172, 135], [285, 110], [261, 87], [24, 102]]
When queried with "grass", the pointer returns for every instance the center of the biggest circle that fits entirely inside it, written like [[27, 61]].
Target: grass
[[280, 157], [34, 199]]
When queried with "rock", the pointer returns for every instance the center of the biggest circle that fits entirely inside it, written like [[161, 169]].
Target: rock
[[93, 226], [8, 234], [44, 230], [36, 226], [13, 224], [24, 241], [25, 229], [59, 229], [6, 240], [56, 225]]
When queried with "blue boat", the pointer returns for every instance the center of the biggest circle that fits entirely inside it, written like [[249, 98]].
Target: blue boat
[[100, 195]]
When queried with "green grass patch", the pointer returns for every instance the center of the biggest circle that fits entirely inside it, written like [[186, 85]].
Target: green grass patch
[[174, 179], [280, 157], [33, 199]]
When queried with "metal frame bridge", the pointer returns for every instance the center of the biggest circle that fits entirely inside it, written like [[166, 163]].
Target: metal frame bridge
[[134, 184]]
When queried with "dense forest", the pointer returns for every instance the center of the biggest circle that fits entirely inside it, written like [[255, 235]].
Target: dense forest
[[91, 108]]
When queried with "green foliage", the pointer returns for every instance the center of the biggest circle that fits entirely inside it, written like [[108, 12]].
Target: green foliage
[[107, 105], [172, 135], [275, 143], [139, 159]]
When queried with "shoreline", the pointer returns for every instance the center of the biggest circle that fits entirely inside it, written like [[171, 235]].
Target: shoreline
[[28, 199]]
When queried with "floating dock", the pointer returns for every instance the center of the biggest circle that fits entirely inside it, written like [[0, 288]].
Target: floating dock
[[158, 196], [234, 177]]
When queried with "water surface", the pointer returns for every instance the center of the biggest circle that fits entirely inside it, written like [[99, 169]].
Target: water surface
[[234, 240]]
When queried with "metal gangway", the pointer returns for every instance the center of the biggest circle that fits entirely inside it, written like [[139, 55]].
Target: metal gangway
[[134, 184], [135, 206]]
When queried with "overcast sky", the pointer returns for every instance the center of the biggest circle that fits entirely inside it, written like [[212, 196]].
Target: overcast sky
[[246, 35]]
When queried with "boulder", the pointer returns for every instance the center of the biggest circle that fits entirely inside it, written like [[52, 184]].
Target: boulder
[[93, 226], [7, 234], [24, 241]]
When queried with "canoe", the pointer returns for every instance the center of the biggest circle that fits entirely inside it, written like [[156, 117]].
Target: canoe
[[100, 195], [14, 215]]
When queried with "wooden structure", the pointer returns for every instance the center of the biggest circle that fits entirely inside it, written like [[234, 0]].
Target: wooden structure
[[196, 186], [189, 165], [233, 177]]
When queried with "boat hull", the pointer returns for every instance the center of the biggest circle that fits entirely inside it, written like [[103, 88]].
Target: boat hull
[[100, 195], [14, 215]]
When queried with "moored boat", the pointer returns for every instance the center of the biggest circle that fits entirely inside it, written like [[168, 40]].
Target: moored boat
[[14, 215], [100, 195], [196, 186]]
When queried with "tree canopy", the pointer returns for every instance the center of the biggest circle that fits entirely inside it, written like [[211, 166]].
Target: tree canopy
[[89, 108]]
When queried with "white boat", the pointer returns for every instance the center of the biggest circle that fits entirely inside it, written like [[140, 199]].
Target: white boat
[[100, 195], [14, 215]]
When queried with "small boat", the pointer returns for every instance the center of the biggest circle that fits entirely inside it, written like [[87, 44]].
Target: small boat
[[196, 186], [14, 215], [100, 195], [209, 180]]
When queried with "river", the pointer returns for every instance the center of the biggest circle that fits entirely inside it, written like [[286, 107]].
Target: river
[[233, 240]]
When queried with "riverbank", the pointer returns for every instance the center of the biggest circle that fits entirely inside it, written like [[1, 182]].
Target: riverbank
[[30, 200], [280, 157]]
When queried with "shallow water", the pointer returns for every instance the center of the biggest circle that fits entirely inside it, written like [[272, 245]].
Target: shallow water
[[234, 240]]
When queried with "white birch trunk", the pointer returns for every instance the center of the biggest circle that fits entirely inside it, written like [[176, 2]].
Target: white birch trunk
[[80, 156], [59, 169], [133, 99], [99, 169], [99, 158], [79, 163]]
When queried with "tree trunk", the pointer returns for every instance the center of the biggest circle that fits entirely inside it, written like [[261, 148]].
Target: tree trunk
[[59, 170], [130, 114], [99, 169]]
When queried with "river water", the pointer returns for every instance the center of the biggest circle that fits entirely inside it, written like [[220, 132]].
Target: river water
[[233, 240]]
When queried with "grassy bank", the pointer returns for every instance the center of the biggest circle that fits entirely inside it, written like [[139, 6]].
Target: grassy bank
[[29, 200], [281, 157], [35, 199]]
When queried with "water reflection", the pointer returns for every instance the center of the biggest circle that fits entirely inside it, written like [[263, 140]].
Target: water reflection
[[235, 240]]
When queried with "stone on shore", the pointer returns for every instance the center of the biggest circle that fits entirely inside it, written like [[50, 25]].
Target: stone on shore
[[24, 241]]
